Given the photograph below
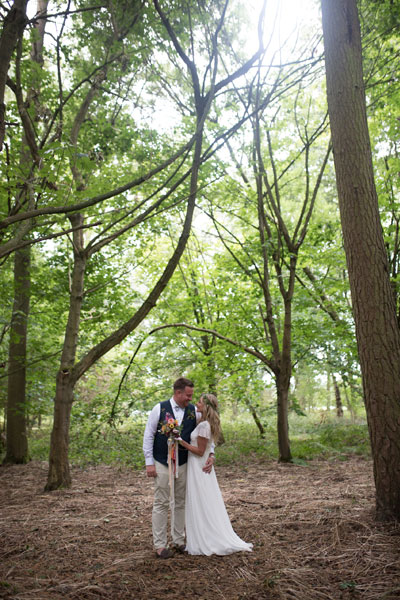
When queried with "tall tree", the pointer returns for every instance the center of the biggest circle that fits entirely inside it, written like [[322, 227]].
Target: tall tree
[[270, 262], [17, 443], [377, 330], [204, 89]]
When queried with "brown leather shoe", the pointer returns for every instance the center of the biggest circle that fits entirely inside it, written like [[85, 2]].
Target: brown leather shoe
[[181, 549], [164, 553]]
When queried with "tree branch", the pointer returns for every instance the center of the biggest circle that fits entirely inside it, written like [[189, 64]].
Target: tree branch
[[256, 353], [52, 210]]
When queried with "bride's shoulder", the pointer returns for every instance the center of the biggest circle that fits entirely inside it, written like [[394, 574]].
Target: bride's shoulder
[[204, 429]]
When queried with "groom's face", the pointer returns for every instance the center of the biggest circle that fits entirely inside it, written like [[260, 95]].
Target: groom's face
[[183, 397]]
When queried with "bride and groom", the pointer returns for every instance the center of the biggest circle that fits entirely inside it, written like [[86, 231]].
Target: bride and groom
[[197, 504]]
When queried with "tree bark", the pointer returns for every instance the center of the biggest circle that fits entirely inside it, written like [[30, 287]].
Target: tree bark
[[284, 373], [17, 442], [377, 330], [59, 472]]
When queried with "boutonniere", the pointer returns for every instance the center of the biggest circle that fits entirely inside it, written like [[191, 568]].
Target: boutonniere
[[191, 414]]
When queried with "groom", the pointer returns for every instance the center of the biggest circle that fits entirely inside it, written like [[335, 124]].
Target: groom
[[156, 454]]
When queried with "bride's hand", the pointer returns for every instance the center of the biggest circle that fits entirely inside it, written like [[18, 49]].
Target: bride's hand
[[209, 463]]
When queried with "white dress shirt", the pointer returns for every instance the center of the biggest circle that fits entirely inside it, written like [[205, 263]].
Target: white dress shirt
[[151, 428]]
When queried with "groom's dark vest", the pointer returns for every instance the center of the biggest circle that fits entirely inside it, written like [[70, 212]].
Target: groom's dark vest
[[160, 449]]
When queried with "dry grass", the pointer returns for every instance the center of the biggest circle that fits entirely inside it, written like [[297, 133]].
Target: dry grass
[[312, 527]]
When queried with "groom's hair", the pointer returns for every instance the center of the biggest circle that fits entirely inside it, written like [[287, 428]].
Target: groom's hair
[[182, 382]]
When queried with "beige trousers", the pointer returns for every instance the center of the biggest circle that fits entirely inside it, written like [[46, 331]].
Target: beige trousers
[[161, 507]]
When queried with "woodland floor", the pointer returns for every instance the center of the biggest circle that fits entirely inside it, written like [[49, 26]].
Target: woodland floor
[[312, 528]]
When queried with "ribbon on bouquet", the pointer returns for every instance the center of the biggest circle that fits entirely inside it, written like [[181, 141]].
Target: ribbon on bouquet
[[173, 468], [172, 460]]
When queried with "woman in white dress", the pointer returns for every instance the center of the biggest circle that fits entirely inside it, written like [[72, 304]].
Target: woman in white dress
[[208, 527]]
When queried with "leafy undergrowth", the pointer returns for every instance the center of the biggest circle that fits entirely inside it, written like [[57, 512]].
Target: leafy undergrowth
[[310, 439]]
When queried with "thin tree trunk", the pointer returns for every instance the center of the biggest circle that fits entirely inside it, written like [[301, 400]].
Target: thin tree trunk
[[210, 366], [328, 390], [349, 403], [17, 441], [255, 417], [338, 399], [285, 372], [282, 388], [377, 330]]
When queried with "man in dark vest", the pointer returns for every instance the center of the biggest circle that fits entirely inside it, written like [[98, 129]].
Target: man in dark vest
[[155, 450]]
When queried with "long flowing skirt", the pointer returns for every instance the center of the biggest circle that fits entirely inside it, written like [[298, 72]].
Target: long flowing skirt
[[208, 527]]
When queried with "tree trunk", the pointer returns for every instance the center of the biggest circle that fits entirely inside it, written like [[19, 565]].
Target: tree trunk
[[349, 402], [284, 372], [377, 330], [338, 399], [17, 441], [282, 388], [59, 474], [328, 390]]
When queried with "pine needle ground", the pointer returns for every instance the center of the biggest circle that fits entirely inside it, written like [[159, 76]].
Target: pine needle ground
[[312, 528]]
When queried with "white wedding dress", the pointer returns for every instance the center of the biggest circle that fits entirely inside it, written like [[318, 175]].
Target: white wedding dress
[[208, 528]]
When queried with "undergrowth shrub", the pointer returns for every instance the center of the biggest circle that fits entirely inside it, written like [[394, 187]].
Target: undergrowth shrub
[[310, 439]]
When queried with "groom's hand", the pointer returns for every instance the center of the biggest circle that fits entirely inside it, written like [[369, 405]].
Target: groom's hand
[[151, 471], [209, 464]]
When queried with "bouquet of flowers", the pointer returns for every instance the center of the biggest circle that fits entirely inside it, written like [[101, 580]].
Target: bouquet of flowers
[[170, 427]]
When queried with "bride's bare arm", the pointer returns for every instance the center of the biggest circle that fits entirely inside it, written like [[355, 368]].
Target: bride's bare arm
[[199, 449]]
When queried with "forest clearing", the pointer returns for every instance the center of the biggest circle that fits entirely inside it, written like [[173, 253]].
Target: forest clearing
[[312, 527], [205, 191]]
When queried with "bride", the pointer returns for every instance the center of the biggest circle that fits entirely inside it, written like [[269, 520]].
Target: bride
[[208, 528]]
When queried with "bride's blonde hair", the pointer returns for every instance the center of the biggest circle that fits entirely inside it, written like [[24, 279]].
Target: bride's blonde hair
[[211, 415]]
